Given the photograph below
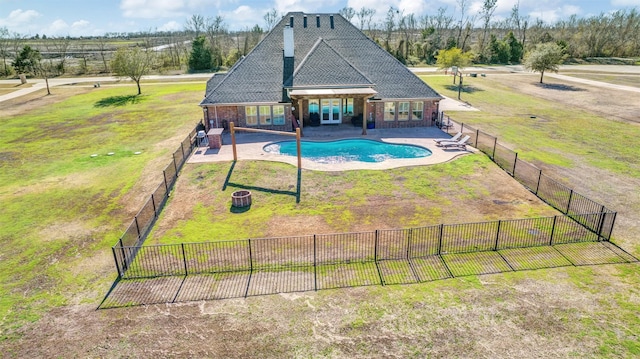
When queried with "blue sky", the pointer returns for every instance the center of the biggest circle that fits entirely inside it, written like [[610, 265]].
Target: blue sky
[[96, 17]]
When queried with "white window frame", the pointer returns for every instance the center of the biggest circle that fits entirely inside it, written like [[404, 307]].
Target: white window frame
[[415, 111], [278, 115], [251, 119], [389, 111], [403, 111]]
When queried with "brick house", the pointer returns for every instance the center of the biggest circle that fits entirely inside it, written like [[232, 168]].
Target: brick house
[[314, 70]]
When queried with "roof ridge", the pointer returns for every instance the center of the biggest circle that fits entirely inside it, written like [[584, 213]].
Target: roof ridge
[[313, 49]]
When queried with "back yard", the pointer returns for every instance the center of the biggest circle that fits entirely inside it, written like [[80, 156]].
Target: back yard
[[64, 209]]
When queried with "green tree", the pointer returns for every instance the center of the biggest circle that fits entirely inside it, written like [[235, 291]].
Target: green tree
[[544, 57], [515, 48], [200, 57], [132, 63], [26, 62], [453, 57], [29, 61]]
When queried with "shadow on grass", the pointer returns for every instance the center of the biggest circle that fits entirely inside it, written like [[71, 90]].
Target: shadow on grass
[[228, 183], [117, 101], [465, 89], [559, 87]]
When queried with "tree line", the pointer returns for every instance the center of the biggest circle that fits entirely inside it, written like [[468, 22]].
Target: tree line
[[207, 44]]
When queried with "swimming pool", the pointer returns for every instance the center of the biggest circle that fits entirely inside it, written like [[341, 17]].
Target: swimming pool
[[347, 150]]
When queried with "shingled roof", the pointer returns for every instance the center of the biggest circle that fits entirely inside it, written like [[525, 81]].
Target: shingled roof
[[324, 57]]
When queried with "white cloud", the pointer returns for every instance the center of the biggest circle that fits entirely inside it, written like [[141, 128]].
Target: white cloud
[[625, 3], [149, 9], [80, 24], [244, 17], [19, 17], [308, 6], [553, 15], [171, 26]]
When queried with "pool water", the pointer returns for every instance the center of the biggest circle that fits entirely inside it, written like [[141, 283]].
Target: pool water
[[348, 150]]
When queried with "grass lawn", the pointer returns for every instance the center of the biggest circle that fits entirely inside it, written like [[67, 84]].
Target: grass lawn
[[61, 208], [64, 209]]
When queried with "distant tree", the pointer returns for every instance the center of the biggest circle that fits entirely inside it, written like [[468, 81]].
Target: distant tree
[[195, 24], [271, 18], [5, 43], [544, 57], [132, 63], [200, 57], [347, 12], [102, 49], [29, 61], [26, 60], [515, 48], [453, 57], [365, 16], [500, 51]]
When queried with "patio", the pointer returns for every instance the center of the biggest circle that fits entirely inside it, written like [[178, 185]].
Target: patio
[[249, 147]]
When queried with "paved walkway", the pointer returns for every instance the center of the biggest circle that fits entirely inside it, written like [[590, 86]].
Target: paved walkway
[[249, 147], [39, 84]]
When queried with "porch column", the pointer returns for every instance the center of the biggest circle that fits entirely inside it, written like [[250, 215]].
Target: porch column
[[300, 116]]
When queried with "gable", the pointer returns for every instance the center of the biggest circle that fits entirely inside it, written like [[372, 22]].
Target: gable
[[324, 67], [324, 56]]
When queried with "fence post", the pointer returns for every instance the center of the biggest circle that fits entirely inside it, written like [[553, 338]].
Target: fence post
[[513, 172], [553, 230], [175, 166], [461, 127], [495, 143], [184, 259], [569, 202], [495, 248], [440, 239], [135, 219], [315, 261], [409, 242], [155, 211], [183, 155], [477, 134], [375, 248], [124, 257], [539, 178], [601, 224], [250, 257], [115, 258], [166, 185]]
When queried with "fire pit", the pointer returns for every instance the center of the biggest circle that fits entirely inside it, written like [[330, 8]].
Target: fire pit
[[241, 199]]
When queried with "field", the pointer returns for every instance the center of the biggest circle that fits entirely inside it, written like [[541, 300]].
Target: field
[[65, 208]]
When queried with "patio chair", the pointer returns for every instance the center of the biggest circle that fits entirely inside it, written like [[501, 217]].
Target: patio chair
[[462, 144], [450, 139]]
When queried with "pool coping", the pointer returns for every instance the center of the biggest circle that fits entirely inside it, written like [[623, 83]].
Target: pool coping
[[249, 147]]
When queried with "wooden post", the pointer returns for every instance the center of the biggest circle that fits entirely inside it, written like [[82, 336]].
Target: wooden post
[[364, 117], [298, 147], [300, 117], [233, 141]]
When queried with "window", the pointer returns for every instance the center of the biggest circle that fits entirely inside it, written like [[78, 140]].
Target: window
[[251, 115], [314, 106], [278, 115], [389, 111], [416, 108], [403, 111], [347, 107], [265, 115]]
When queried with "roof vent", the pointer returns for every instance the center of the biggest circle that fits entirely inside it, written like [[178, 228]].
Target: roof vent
[[331, 20], [305, 21], [291, 21], [318, 20]]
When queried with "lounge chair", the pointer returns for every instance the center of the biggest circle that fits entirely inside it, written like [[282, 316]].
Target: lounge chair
[[462, 144], [450, 139]]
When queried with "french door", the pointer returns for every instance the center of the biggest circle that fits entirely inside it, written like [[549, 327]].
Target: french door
[[331, 113]]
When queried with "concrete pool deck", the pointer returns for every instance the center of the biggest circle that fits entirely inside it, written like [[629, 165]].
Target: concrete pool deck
[[249, 147]]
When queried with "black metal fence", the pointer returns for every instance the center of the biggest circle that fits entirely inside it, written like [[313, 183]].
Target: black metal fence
[[389, 256], [557, 195], [273, 254], [143, 221]]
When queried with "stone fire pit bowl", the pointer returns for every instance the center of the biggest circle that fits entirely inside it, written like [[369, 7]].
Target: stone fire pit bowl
[[241, 199]]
